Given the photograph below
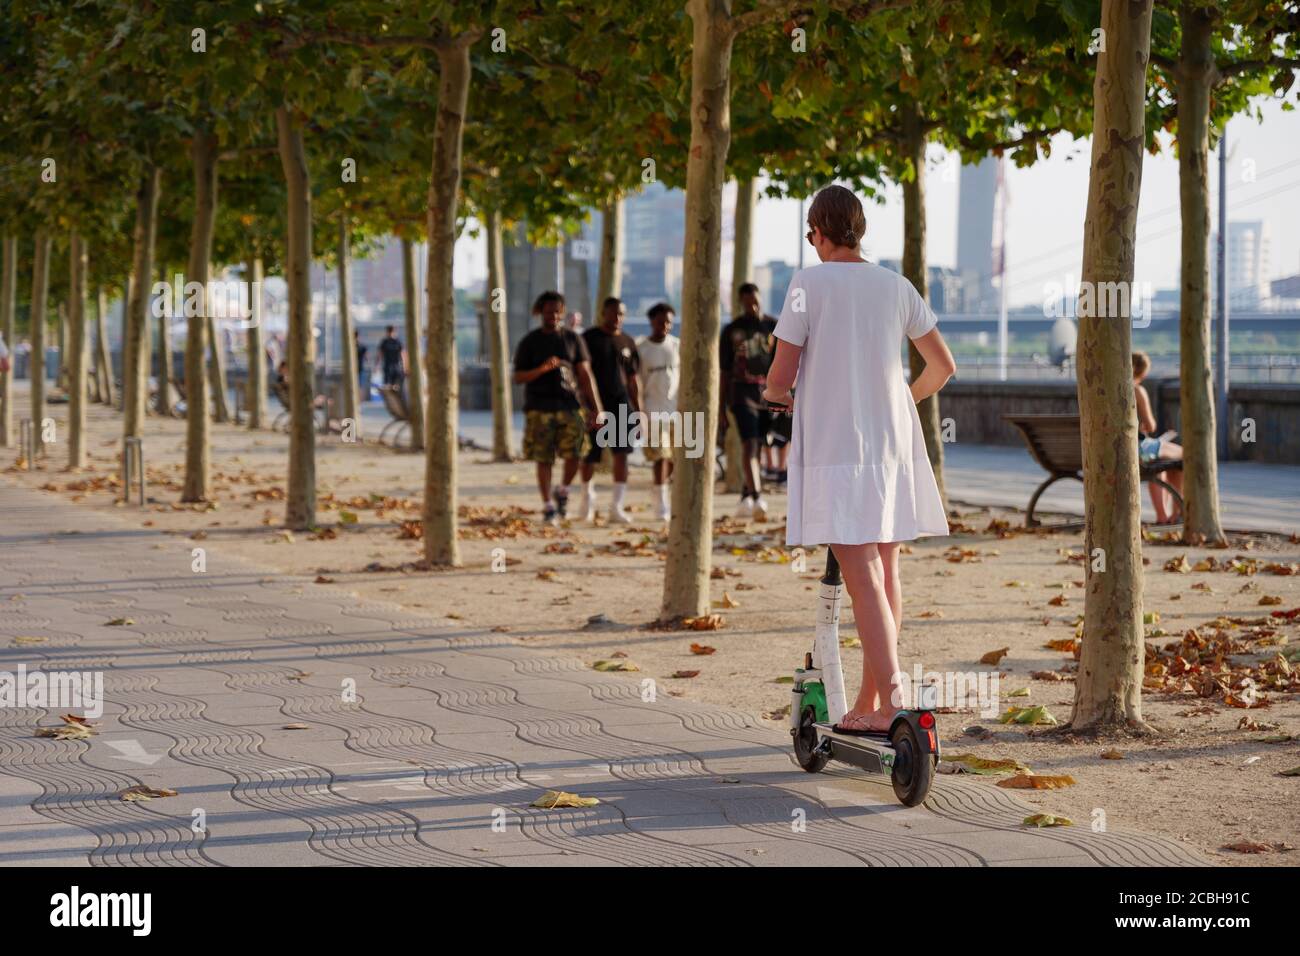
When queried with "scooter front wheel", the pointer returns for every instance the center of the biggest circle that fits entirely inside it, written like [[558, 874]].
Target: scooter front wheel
[[913, 770], [805, 743]]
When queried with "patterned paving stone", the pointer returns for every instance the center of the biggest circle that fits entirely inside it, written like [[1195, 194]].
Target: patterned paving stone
[[423, 744]]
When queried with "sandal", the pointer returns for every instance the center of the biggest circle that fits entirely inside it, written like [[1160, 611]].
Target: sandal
[[859, 731]]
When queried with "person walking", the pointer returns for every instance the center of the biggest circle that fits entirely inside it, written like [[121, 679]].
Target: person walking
[[552, 364], [746, 354], [859, 478], [392, 357], [661, 360], [614, 365]]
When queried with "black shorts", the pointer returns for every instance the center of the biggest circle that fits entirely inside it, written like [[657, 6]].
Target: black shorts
[[753, 423], [593, 455]]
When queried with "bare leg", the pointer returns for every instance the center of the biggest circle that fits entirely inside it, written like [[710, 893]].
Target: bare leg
[[864, 578], [544, 480], [893, 583], [1158, 502], [870, 693], [570, 469], [1174, 453], [752, 475]]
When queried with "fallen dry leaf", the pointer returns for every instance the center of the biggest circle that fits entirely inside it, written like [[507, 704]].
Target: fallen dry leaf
[[141, 792], [1047, 820], [705, 622], [992, 657], [560, 799], [1030, 781]]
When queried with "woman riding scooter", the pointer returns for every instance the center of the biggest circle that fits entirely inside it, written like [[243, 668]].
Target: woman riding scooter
[[859, 478]]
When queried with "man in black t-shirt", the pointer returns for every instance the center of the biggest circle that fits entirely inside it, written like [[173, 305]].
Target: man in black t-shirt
[[392, 357], [746, 352], [614, 364], [552, 364]]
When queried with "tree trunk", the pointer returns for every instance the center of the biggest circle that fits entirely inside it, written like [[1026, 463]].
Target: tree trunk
[[440, 518], [256, 396], [1108, 692], [203, 154], [609, 283], [690, 533], [103, 354], [742, 259], [135, 354], [1195, 81], [498, 340], [914, 269], [414, 382], [40, 301], [165, 362], [8, 296], [351, 387], [76, 353], [300, 511]]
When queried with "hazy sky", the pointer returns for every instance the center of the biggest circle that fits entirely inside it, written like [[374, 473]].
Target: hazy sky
[[1048, 202]]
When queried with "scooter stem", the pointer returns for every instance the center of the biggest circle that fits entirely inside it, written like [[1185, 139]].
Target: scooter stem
[[826, 642]]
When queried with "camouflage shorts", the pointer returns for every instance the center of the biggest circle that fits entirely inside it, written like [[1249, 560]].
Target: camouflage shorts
[[551, 435]]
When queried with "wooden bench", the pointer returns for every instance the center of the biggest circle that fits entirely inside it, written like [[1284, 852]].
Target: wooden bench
[[399, 412], [1056, 443], [281, 392]]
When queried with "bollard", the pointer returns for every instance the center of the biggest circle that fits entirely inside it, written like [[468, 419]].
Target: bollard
[[27, 442], [133, 465]]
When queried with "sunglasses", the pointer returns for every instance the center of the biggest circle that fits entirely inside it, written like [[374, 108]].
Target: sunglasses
[[809, 236]]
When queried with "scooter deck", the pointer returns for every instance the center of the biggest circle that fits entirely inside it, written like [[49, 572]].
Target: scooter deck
[[870, 737], [873, 753]]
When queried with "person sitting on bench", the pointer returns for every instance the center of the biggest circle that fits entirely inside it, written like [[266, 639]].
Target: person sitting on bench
[[1153, 448]]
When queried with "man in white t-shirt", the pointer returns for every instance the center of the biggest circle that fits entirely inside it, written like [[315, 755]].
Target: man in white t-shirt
[[661, 361]]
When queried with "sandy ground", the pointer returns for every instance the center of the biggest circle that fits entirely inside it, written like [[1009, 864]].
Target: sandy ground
[[1208, 780]]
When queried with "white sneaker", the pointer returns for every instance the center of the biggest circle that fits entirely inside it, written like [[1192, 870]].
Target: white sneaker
[[759, 508], [588, 510], [745, 509], [618, 516], [663, 512]]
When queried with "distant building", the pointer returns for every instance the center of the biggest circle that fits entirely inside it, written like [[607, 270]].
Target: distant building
[[1248, 263], [531, 270], [654, 224], [946, 288], [977, 193], [1288, 288], [773, 281]]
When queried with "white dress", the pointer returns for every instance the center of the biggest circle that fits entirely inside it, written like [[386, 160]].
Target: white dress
[[858, 470]]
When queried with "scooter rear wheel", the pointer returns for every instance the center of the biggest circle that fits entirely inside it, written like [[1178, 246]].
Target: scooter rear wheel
[[913, 770], [805, 743]]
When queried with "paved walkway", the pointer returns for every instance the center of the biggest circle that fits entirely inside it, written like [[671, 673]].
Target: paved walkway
[[452, 729]]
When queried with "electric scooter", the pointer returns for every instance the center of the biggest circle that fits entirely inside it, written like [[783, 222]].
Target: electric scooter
[[907, 754]]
